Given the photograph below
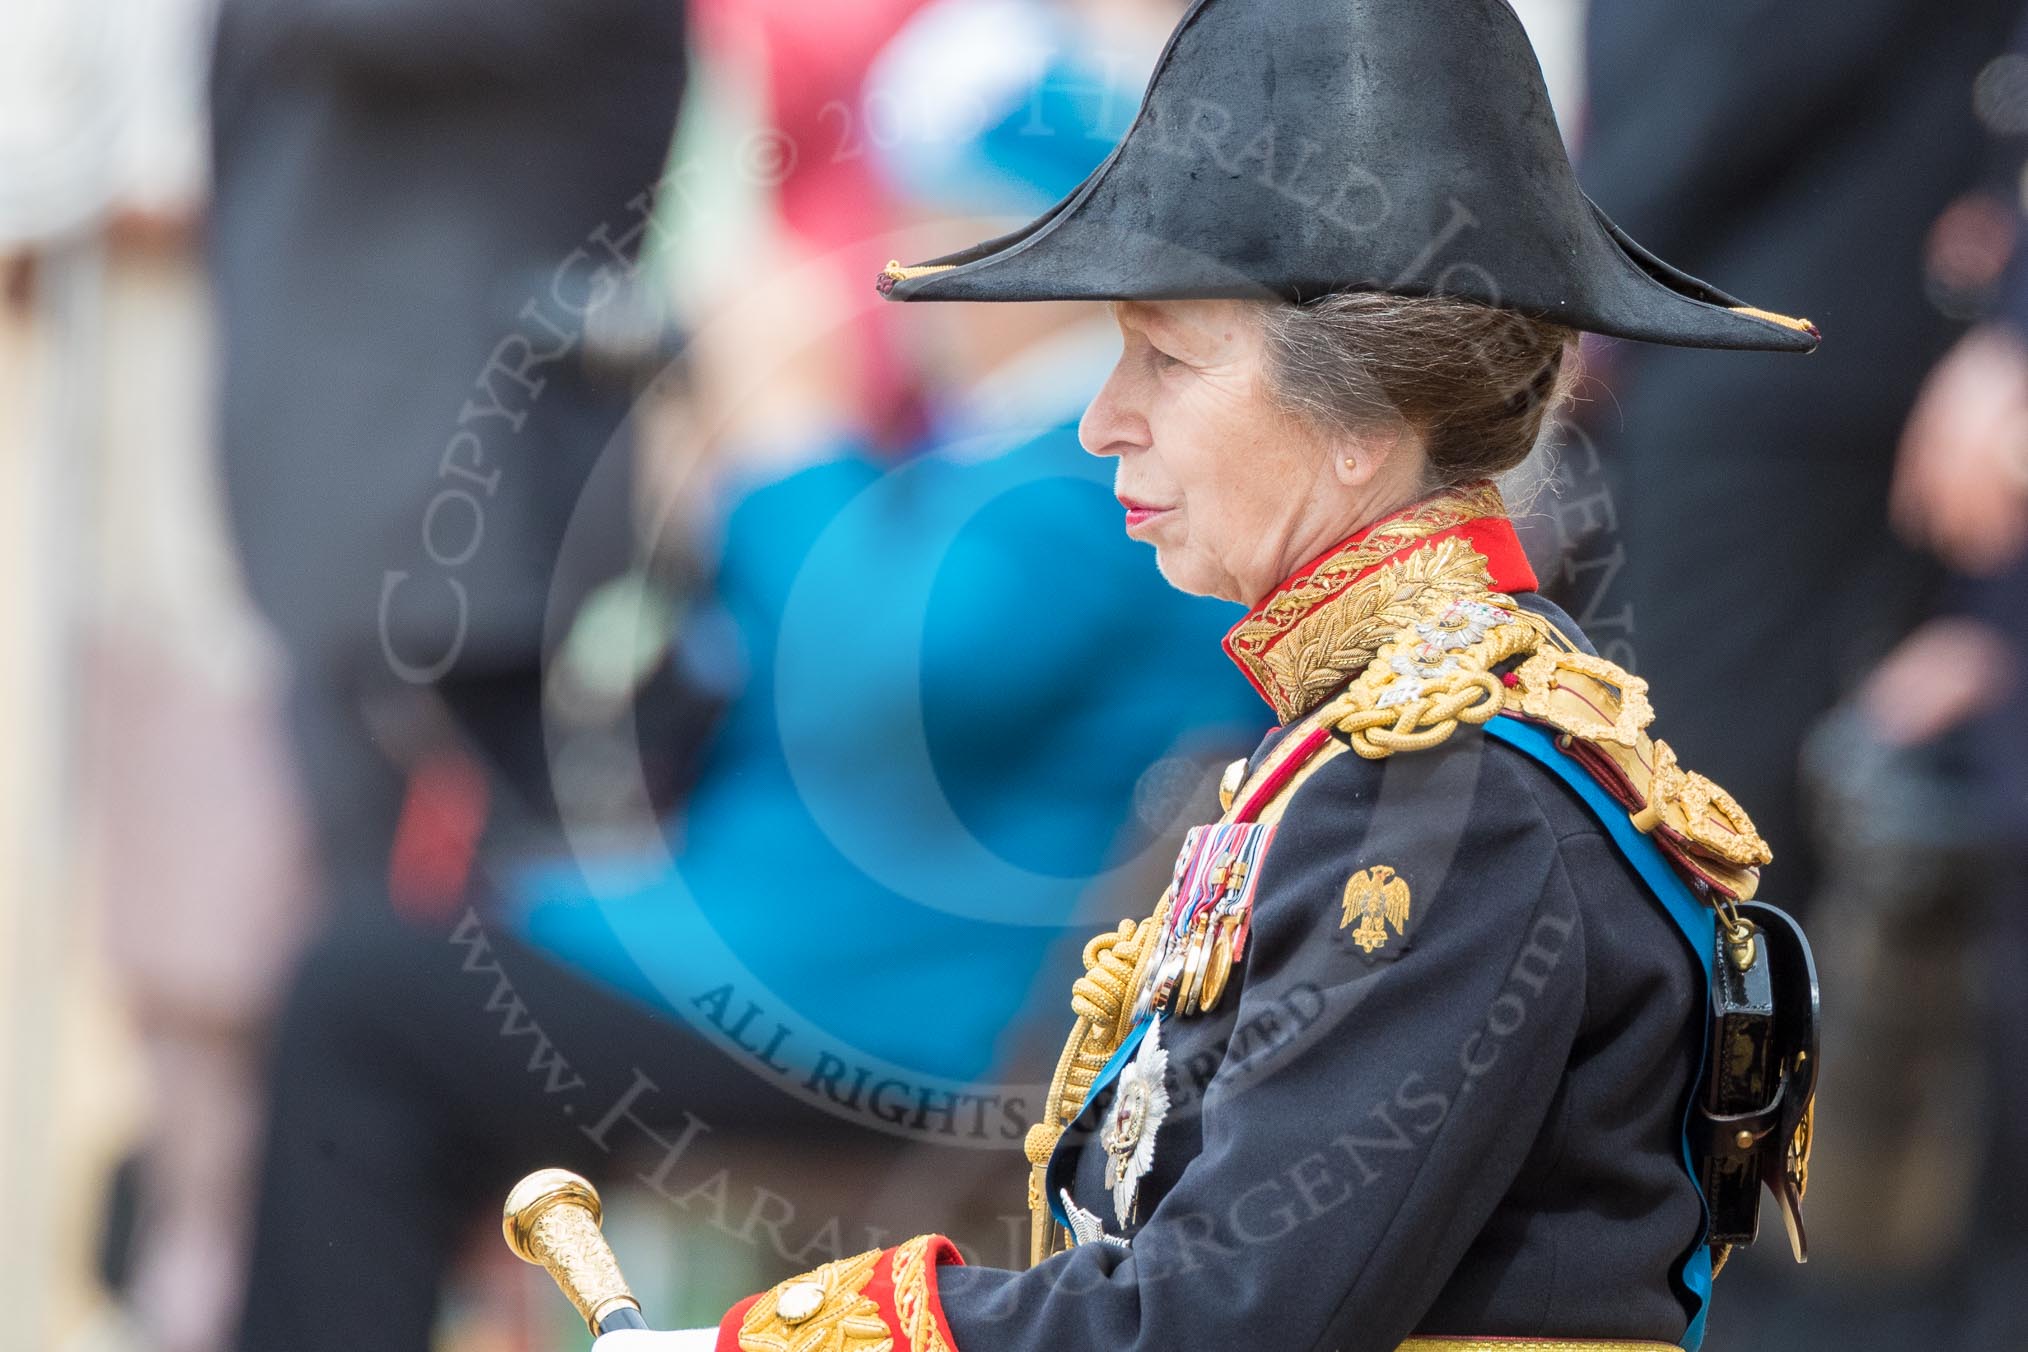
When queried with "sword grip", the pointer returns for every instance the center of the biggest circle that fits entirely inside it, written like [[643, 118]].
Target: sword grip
[[551, 1219]]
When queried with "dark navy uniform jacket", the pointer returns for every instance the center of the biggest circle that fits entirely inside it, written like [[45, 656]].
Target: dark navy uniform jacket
[[1473, 1126], [1476, 1129]]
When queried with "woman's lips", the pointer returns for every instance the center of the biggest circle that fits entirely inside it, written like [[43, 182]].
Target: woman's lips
[[1140, 513]]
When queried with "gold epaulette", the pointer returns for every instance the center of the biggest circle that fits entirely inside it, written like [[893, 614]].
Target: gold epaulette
[[1441, 671], [1601, 711]]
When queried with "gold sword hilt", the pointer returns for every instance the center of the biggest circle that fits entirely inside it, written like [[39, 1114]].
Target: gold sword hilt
[[552, 1220]]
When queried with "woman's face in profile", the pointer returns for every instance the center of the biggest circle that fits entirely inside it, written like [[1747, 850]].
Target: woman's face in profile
[[1216, 475]]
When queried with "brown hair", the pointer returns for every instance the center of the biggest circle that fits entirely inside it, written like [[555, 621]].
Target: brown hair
[[1477, 382]]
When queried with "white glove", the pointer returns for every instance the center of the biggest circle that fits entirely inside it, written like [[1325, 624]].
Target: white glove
[[641, 1340]]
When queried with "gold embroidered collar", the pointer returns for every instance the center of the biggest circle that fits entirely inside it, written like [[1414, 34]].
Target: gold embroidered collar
[[1317, 630]]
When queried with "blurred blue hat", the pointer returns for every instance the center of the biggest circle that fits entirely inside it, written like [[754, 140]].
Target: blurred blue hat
[[999, 106]]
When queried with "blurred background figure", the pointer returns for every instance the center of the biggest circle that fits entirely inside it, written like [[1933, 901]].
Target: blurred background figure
[[913, 693], [1961, 491], [152, 845], [1734, 131], [1739, 519], [417, 204]]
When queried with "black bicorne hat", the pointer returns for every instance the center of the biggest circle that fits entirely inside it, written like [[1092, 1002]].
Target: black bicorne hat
[[1296, 148]]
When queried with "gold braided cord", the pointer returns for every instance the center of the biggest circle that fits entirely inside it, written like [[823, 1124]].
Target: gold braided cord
[[1102, 992], [1379, 733], [1102, 999], [1416, 692]]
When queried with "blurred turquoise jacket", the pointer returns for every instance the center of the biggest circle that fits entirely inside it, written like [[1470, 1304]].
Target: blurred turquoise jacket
[[963, 685]]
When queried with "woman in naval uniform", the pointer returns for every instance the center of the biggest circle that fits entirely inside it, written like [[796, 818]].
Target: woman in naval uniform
[[1411, 1048]]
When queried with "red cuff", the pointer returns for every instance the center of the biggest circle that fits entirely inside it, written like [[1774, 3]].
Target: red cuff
[[888, 1293], [728, 1327]]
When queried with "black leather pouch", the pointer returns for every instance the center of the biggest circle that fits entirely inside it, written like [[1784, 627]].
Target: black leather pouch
[[1754, 1114]]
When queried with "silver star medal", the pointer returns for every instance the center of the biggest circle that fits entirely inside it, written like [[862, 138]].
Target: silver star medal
[[1086, 1227], [1140, 1102]]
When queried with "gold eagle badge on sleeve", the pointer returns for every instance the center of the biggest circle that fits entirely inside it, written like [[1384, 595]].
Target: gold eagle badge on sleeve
[[1375, 898]]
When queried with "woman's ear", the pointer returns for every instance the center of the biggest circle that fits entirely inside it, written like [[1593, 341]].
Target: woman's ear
[[1365, 459]]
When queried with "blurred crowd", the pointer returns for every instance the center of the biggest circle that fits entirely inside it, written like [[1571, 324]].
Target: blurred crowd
[[521, 659]]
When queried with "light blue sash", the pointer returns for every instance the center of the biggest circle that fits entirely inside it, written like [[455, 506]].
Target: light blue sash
[[1697, 921]]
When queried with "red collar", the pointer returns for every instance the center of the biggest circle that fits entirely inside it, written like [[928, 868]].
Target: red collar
[[1315, 631]]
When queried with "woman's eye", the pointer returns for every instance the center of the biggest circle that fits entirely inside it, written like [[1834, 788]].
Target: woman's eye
[[1164, 358]]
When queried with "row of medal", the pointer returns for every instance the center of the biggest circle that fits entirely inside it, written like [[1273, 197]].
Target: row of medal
[[1205, 927]]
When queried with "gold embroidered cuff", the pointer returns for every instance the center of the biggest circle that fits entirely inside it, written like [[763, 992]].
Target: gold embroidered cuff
[[883, 1300]]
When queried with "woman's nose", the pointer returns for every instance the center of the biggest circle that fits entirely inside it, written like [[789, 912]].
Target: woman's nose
[[1111, 425]]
